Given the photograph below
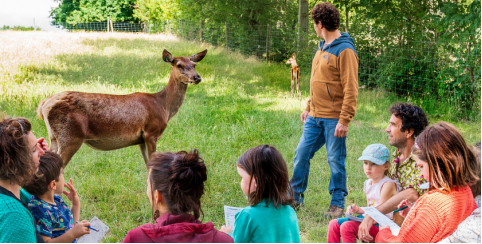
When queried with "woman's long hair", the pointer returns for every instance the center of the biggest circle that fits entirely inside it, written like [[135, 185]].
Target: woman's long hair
[[450, 159]]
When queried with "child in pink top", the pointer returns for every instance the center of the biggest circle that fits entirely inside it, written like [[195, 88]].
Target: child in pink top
[[378, 189]]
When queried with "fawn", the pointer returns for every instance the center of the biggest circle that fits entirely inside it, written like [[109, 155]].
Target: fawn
[[295, 74]]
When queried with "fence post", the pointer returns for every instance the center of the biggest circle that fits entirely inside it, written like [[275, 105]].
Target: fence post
[[108, 24], [111, 26], [267, 44], [201, 31], [182, 28], [167, 26], [227, 39]]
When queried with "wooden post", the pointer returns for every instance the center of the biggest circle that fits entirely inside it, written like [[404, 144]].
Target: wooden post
[[111, 27], [201, 31], [108, 24], [227, 39], [155, 27], [182, 28], [167, 26], [347, 11], [302, 23], [267, 44]]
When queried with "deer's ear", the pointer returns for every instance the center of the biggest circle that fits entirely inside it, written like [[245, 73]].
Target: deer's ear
[[294, 55], [198, 56], [167, 57]]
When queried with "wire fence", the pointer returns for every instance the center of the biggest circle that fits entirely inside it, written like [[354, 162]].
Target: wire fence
[[428, 68]]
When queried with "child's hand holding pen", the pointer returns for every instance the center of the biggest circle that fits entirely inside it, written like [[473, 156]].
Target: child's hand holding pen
[[354, 209]]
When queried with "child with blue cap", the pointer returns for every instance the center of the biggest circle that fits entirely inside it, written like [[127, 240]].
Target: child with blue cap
[[378, 189]]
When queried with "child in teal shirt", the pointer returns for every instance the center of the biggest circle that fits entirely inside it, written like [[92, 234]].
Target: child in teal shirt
[[269, 216]]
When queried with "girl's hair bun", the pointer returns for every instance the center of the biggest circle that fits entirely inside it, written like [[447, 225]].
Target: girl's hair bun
[[180, 178]]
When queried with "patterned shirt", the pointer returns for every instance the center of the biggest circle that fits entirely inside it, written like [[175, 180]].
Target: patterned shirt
[[469, 230], [51, 220], [408, 173]]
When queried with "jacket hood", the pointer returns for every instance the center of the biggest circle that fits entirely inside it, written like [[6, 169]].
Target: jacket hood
[[168, 224], [344, 38]]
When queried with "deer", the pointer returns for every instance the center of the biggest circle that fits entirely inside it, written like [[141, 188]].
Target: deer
[[295, 75], [109, 122]]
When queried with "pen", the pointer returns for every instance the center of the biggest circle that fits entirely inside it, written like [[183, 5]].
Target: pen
[[400, 209], [94, 229]]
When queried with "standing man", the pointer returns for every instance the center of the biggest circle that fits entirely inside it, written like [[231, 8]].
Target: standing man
[[331, 107]]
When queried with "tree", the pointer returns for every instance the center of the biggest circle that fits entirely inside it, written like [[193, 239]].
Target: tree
[[80, 11]]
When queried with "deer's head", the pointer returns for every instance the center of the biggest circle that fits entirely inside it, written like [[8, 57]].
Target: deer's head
[[292, 59], [183, 68]]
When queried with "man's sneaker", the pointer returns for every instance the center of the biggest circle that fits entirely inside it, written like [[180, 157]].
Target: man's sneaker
[[334, 212]]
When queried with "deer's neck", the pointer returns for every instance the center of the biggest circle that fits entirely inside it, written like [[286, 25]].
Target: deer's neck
[[172, 96], [294, 64]]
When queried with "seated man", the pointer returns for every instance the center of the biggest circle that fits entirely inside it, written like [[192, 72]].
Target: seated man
[[407, 122], [469, 230]]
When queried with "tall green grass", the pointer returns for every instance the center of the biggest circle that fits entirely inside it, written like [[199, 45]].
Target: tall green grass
[[241, 103]]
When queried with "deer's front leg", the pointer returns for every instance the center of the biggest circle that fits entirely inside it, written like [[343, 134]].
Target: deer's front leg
[[292, 82]]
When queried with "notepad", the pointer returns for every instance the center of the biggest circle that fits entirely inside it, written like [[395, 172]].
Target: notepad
[[229, 215], [382, 219], [94, 236]]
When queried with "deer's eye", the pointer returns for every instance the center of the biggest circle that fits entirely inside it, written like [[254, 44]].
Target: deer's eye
[[179, 66]]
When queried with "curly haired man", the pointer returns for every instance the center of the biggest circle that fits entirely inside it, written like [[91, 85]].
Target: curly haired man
[[331, 107], [406, 123]]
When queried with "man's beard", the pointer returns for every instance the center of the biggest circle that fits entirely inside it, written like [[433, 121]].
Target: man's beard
[[399, 143]]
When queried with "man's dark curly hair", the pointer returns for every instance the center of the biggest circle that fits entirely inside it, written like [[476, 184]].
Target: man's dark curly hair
[[327, 14], [412, 117]]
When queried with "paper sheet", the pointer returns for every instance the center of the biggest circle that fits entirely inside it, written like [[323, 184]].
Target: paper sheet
[[94, 236], [382, 219], [229, 213]]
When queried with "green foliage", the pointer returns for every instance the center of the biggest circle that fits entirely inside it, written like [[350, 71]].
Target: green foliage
[[20, 28], [81, 11]]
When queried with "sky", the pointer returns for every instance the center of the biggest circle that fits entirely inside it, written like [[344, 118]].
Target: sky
[[23, 13]]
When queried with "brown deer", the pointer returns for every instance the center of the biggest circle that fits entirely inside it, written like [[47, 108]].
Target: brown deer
[[295, 74], [109, 122]]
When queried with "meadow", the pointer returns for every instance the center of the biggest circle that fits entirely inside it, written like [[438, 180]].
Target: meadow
[[241, 103]]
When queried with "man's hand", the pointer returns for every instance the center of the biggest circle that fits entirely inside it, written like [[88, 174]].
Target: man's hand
[[304, 115], [341, 130], [364, 229]]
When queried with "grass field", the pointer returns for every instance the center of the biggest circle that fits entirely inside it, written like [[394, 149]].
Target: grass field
[[241, 103]]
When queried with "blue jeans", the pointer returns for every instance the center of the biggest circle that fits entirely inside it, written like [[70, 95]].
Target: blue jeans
[[316, 133]]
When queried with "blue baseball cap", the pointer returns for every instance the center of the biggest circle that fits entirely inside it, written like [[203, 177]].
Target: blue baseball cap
[[376, 153]]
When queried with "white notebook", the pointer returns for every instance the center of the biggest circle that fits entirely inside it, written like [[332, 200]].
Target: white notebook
[[94, 236]]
